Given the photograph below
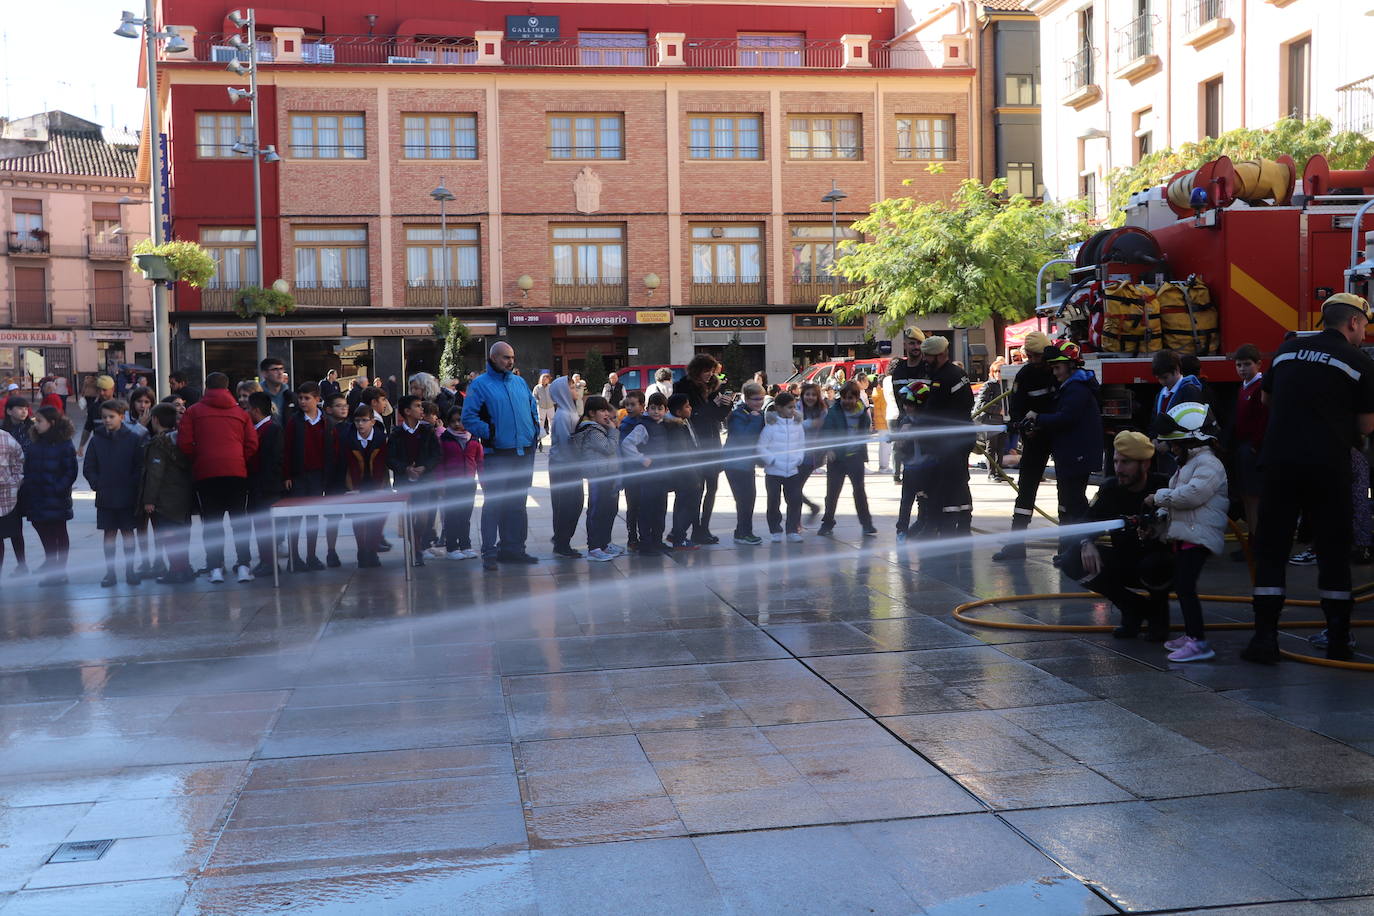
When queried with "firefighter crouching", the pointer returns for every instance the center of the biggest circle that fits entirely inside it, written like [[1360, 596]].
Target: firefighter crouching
[[1320, 392], [1032, 391], [950, 403], [1130, 557]]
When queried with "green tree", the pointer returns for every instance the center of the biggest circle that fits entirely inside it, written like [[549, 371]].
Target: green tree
[[972, 257], [1299, 139], [594, 371], [456, 336], [733, 364]]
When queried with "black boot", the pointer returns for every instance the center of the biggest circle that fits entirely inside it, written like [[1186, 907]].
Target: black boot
[[1132, 616], [1338, 630], [1016, 550], [1264, 645], [1157, 617]]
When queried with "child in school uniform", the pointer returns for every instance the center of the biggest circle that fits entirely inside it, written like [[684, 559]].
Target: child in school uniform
[[309, 449], [412, 455], [114, 467], [632, 408], [643, 448], [596, 442], [264, 476], [683, 453], [782, 447], [363, 454], [166, 493], [460, 461]]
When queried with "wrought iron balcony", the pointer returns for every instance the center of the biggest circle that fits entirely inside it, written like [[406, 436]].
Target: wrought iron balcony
[[740, 291], [30, 312], [604, 292], [461, 294], [1078, 69], [27, 242], [110, 314], [1135, 39], [1200, 12], [312, 293], [1356, 104], [808, 291], [116, 248]]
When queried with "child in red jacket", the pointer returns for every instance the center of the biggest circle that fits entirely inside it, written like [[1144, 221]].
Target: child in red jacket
[[459, 463]]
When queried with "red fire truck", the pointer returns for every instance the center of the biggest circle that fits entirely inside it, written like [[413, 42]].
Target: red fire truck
[[1267, 248]]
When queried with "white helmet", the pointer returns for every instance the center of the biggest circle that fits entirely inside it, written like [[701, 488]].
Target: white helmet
[[1190, 421]]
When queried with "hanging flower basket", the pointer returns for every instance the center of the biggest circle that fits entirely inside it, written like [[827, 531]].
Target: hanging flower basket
[[254, 301], [183, 261]]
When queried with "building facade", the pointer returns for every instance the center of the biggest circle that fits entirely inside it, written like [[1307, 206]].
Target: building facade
[[70, 205], [641, 180], [1125, 77]]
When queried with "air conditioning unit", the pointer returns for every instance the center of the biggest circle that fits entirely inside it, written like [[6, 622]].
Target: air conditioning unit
[[409, 60], [223, 54]]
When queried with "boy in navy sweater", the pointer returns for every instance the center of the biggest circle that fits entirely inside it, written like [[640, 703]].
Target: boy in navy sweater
[[634, 409], [309, 449], [412, 453], [644, 445]]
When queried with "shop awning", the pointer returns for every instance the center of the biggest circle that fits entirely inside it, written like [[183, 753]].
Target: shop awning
[[248, 330], [439, 28], [412, 328], [1014, 335], [281, 18]]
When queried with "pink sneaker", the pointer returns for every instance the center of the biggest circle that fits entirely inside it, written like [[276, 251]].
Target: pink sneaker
[[1176, 643], [1192, 650]]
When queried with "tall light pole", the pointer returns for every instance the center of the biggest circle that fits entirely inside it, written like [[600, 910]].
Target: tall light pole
[[833, 197], [129, 27], [443, 195], [250, 45]]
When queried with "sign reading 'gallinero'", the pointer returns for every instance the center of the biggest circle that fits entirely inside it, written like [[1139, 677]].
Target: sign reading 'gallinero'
[[532, 28]]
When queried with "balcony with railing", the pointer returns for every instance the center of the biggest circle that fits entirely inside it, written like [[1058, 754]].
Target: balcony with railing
[[110, 314], [739, 291], [603, 292], [219, 298], [461, 294], [27, 242], [28, 312], [1355, 102], [1135, 49], [313, 293], [100, 247], [1080, 88], [743, 52], [1204, 21], [809, 290]]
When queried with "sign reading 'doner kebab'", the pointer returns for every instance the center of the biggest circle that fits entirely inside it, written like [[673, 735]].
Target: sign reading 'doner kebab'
[[524, 319], [532, 28]]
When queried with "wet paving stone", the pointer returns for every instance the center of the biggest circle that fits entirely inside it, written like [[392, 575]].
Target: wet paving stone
[[796, 728]]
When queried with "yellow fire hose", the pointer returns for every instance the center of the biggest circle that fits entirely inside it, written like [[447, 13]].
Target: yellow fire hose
[[961, 614]]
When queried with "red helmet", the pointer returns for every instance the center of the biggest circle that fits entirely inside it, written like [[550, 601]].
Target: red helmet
[[1071, 350], [915, 392]]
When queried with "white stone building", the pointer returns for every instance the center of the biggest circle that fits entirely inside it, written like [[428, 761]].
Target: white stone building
[[1122, 77]]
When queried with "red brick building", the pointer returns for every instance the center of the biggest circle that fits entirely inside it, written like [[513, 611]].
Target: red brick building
[[688, 144]]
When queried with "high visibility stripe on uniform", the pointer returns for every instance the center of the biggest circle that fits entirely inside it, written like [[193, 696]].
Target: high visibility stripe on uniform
[[957, 509], [1335, 596], [958, 386], [1019, 511], [1308, 356], [1038, 392], [1268, 592]]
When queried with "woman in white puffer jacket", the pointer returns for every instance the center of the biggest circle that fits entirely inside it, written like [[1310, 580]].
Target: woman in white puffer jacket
[[1196, 500]]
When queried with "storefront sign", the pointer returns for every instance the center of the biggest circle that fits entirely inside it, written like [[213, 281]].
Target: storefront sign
[[38, 338], [823, 320], [413, 328], [519, 319], [728, 322], [111, 335], [249, 331], [532, 28]]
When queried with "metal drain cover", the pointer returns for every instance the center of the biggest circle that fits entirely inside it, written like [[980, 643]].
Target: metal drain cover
[[80, 851]]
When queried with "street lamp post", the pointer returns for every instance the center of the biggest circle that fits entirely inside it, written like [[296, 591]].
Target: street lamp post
[[443, 195], [833, 197], [129, 28], [258, 154]]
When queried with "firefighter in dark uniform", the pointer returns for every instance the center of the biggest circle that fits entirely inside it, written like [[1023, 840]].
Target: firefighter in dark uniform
[[903, 371], [1032, 391], [1127, 558], [950, 403], [1320, 392]]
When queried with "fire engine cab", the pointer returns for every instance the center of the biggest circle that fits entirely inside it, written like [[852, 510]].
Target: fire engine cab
[[1223, 255]]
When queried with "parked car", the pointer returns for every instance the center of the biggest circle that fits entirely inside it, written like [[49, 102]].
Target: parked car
[[639, 378], [825, 373]]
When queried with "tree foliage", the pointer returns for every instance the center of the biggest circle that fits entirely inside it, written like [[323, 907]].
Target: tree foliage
[[594, 371], [456, 336], [1299, 139], [733, 364], [972, 257]]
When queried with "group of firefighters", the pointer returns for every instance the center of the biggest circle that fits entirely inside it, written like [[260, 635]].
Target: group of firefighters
[[1319, 394]]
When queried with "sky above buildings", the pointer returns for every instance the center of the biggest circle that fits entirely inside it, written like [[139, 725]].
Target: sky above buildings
[[63, 54]]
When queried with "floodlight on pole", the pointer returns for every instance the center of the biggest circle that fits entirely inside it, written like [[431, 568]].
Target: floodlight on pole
[[238, 95], [269, 154]]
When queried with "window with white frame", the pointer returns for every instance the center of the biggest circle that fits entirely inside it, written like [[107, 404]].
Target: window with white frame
[[331, 257], [825, 137], [925, 137], [218, 131], [440, 136], [328, 136], [425, 256], [726, 136], [586, 136], [235, 253], [588, 254], [727, 254]]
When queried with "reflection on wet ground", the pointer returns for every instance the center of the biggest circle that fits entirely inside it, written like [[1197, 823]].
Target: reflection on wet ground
[[788, 728]]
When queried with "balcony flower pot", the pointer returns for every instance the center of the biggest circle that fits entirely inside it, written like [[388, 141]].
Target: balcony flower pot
[[253, 301], [174, 261]]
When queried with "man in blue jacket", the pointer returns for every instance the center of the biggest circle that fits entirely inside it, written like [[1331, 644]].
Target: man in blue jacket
[[500, 411], [1075, 426]]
